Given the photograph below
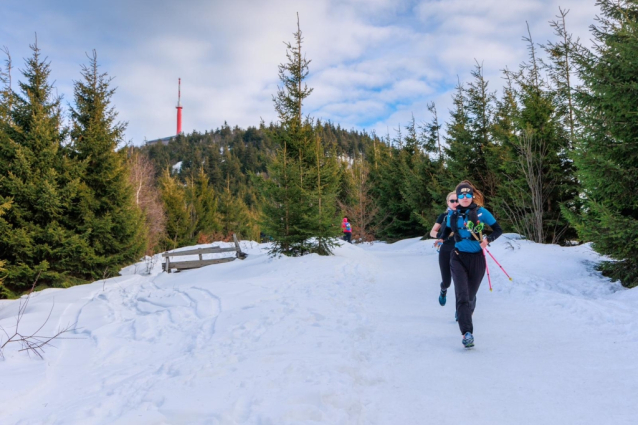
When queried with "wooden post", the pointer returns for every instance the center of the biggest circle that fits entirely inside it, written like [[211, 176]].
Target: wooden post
[[237, 248], [239, 254], [168, 264]]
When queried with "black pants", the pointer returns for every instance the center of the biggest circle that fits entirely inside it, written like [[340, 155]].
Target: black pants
[[347, 236], [444, 265], [468, 270]]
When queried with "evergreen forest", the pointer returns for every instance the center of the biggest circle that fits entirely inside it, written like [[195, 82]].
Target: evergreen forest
[[554, 152]]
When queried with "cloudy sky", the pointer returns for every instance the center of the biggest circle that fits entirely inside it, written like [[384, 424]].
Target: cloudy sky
[[374, 62]]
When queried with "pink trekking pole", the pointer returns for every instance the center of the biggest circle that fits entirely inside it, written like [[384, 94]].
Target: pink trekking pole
[[489, 279], [498, 264]]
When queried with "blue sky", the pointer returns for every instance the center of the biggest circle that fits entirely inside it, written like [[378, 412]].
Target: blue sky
[[374, 62]]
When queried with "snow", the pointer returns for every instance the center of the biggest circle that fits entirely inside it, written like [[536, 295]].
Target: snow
[[356, 338], [347, 159], [177, 167]]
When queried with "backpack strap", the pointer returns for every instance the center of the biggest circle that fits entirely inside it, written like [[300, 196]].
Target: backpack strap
[[468, 214]]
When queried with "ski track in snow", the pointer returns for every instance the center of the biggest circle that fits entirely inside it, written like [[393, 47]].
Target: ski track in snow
[[357, 338]]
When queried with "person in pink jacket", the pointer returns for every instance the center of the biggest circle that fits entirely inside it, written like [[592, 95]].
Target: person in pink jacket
[[347, 230]]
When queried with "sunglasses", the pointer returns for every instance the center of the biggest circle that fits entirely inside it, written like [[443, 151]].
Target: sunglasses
[[465, 195], [453, 201]]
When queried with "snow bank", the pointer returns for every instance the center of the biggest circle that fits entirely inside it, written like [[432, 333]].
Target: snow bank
[[356, 338]]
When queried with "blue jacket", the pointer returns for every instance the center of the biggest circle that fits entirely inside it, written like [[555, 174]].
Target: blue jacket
[[468, 243]]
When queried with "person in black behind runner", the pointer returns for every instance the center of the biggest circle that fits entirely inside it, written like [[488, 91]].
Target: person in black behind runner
[[468, 260], [446, 247]]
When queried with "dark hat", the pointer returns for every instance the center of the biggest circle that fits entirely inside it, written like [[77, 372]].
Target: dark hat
[[464, 188]]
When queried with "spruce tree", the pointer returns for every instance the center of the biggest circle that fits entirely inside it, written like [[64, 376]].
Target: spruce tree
[[438, 182], [533, 150], [605, 152], [432, 133], [560, 69], [6, 93], [388, 177], [323, 175], [179, 227], [460, 154], [6, 97], [505, 133], [202, 209], [282, 208], [36, 173], [234, 216], [419, 176], [300, 191], [106, 215], [3, 209], [480, 106], [470, 136]]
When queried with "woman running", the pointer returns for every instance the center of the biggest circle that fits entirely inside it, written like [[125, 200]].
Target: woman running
[[467, 262], [446, 247]]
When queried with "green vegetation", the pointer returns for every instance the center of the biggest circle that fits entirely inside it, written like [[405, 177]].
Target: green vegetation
[[556, 162]]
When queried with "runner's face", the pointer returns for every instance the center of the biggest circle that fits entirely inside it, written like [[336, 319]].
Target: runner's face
[[451, 204], [465, 202]]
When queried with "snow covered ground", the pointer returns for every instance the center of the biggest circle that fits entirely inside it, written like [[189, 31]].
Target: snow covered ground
[[357, 338]]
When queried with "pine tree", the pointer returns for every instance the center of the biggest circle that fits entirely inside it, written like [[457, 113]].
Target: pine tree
[[605, 152], [560, 70], [4, 207], [434, 171], [6, 93], [282, 209], [300, 192], [234, 215], [460, 153], [470, 138], [534, 144], [324, 178], [179, 227], [106, 215], [202, 208], [419, 187], [395, 219], [503, 155], [480, 107], [6, 97], [432, 132], [40, 179]]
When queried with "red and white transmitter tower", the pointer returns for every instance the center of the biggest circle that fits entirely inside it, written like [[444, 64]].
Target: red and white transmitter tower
[[179, 106]]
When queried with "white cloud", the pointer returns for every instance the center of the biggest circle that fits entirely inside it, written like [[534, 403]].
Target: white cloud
[[374, 62]]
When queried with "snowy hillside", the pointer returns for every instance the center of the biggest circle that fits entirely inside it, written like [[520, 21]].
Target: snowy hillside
[[357, 338]]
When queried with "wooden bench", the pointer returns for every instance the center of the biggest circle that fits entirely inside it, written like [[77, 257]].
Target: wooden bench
[[195, 264]]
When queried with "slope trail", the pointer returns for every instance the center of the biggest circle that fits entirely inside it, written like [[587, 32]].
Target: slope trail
[[356, 338]]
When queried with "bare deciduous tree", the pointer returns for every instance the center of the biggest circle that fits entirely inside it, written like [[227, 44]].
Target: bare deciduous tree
[[147, 197], [31, 342], [526, 212], [362, 211]]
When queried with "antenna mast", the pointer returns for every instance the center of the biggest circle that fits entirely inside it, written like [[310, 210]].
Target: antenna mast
[[179, 106]]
